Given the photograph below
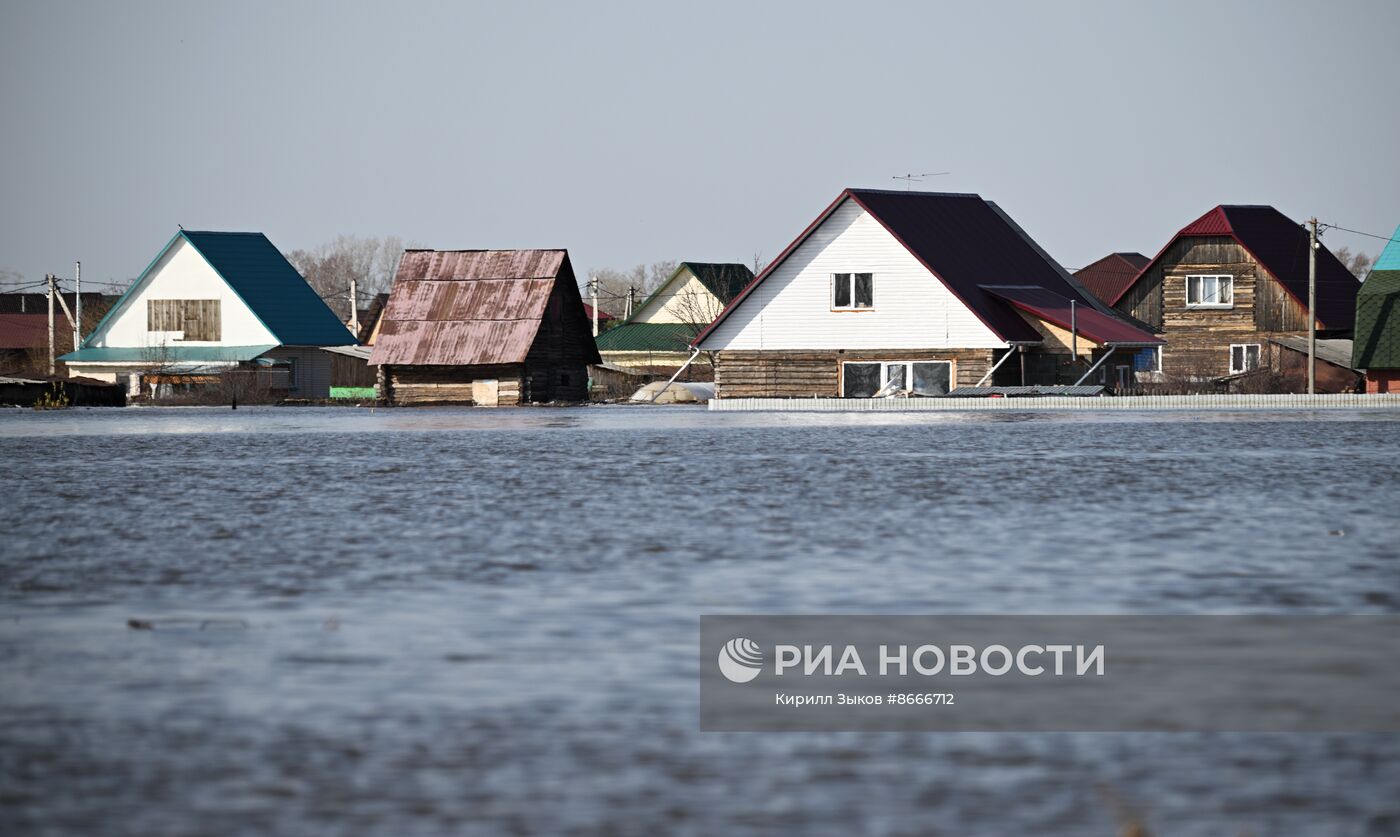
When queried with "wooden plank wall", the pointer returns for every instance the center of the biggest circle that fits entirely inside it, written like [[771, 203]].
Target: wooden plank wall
[[804, 374], [1199, 339], [199, 319], [451, 384]]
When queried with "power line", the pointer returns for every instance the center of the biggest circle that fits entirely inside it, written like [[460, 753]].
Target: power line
[[1359, 232]]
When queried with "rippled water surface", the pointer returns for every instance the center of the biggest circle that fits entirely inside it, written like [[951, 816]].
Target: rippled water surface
[[416, 621]]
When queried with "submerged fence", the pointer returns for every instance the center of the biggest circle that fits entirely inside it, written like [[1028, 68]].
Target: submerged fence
[[1131, 402]]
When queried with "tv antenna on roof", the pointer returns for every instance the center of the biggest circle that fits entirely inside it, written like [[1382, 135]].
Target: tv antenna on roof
[[911, 179]]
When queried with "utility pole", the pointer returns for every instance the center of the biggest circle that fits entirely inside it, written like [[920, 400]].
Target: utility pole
[[49, 278], [593, 293], [1073, 332], [1312, 305], [354, 307], [631, 295], [77, 304]]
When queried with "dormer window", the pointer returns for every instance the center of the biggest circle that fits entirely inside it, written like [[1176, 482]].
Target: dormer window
[[852, 291], [1210, 291]]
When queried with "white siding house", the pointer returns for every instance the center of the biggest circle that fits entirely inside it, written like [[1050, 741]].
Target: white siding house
[[211, 302], [919, 292]]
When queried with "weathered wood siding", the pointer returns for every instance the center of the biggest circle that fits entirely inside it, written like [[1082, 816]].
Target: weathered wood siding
[[451, 384], [313, 370], [1199, 339], [804, 374], [791, 310], [196, 319], [557, 365]]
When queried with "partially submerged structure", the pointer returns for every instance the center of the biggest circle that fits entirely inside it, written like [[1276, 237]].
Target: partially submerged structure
[[487, 327], [657, 337], [1376, 348], [211, 303], [1227, 284], [917, 292]]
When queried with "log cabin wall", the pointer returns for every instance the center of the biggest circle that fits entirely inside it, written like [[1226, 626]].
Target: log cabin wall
[[557, 365], [805, 374], [452, 384], [1199, 339]]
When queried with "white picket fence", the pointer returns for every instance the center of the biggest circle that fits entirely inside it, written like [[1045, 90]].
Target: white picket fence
[[1133, 402]]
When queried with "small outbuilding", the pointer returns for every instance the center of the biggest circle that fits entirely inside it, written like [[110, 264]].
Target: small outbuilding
[[485, 327]]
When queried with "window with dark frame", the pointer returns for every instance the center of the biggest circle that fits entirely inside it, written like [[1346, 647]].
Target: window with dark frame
[[852, 291], [862, 379]]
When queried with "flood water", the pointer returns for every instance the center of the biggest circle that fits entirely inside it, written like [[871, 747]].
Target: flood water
[[422, 621]]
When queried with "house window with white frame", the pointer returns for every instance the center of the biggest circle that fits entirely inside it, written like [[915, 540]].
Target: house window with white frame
[[862, 379], [1244, 357], [1148, 359], [1213, 290], [852, 291]]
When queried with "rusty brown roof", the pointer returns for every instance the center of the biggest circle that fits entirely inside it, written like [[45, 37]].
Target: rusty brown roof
[[466, 307], [1107, 277]]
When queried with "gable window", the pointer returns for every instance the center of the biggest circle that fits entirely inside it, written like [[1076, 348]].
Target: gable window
[[1244, 357], [852, 291], [1210, 291], [185, 319], [862, 379]]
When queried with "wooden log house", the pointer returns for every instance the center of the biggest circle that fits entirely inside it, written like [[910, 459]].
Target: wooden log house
[[925, 291], [1226, 285], [484, 327]]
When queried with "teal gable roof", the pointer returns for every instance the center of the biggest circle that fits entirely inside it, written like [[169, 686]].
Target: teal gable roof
[[165, 354], [278, 295], [1390, 256]]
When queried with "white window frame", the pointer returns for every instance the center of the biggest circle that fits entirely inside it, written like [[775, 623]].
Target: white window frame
[[1227, 277], [1156, 350], [850, 279], [908, 371], [1258, 357]]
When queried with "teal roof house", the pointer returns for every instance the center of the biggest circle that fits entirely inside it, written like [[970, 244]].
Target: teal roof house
[[210, 302]]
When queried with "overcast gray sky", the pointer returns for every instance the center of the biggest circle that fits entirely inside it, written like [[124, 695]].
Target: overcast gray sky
[[636, 132]]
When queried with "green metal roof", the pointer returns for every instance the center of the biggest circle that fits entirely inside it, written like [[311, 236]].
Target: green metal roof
[[649, 337], [165, 354], [1376, 342], [267, 282]]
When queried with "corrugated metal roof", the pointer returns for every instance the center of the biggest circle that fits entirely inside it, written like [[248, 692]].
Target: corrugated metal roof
[[27, 331], [1107, 277], [1087, 321], [1281, 246], [648, 337], [468, 307], [966, 242], [264, 279]]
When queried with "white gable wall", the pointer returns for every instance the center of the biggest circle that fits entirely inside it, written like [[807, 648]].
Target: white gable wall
[[181, 273], [791, 308], [684, 299]]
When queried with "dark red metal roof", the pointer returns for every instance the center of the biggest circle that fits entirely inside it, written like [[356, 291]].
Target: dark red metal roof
[[1281, 246], [1107, 277], [603, 316], [468, 307], [29, 331], [966, 242], [1088, 321]]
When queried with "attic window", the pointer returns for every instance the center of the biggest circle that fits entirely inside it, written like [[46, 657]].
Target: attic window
[[185, 319], [852, 291], [1210, 291]]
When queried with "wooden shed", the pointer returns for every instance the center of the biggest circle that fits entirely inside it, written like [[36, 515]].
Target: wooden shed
[[486, 327]]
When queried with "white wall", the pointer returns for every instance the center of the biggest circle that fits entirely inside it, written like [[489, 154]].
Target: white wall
[[182, 273], [791, 308], [684, 299]]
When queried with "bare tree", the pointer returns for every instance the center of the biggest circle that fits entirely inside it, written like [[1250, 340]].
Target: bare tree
[[1359, 264], [614, 285], [328, 268]]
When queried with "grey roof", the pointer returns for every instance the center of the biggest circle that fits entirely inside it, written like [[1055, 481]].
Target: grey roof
[[1336, 351]]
